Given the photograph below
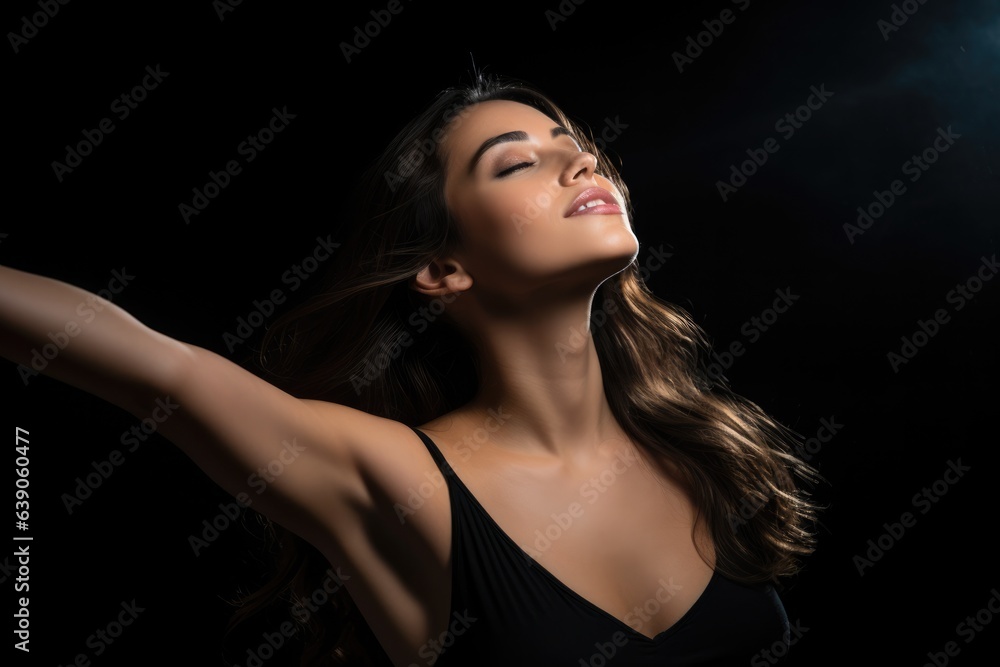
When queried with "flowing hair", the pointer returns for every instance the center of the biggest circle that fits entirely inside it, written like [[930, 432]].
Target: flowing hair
[[365, 339]]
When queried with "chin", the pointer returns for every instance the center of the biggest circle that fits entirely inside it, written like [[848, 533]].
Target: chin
[[621, 243], [614, 258]]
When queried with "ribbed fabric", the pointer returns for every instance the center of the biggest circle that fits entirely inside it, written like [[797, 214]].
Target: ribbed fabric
[[508, 610]]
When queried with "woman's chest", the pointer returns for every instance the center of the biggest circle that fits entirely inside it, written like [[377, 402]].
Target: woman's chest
[[614, 532]]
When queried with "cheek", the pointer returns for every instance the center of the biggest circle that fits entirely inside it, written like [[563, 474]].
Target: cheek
[[518, 213], [513, 232], [497, 212]]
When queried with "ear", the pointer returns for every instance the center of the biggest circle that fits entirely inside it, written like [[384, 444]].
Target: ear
[[441, 276]]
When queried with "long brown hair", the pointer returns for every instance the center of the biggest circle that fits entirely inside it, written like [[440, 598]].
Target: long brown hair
[[359, 341]]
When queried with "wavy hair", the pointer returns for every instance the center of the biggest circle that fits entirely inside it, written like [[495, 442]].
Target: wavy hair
[[358, 341]]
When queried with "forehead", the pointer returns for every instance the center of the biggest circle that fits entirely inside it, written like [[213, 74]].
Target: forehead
[[488, 119]]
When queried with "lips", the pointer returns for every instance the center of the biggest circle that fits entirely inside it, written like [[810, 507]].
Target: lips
[[594, 201]]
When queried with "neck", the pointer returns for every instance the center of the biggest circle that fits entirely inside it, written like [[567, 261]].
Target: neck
[[541, 373]]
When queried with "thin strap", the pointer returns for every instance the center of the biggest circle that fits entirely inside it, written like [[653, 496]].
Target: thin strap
[[439, 459]]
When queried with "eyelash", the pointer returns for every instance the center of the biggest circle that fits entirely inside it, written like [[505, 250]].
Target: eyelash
[[516, 167]]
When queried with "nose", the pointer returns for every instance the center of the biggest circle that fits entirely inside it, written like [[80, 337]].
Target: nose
[[580, 167]]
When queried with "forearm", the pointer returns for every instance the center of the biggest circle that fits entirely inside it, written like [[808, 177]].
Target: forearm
[[65, 332]]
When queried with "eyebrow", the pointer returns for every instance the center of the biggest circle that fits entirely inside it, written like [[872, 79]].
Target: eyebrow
[[516, 135]]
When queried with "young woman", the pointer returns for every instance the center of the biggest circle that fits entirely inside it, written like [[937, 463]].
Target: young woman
[[506, 447]]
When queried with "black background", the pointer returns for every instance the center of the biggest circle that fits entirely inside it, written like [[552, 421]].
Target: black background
[[680, 133]]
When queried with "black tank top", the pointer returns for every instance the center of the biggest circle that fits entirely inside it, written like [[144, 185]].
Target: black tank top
[[507, 609]]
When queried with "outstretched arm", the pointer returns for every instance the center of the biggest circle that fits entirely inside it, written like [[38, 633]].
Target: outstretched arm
[[247, 435]]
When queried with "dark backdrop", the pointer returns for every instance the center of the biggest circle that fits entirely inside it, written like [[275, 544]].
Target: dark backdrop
[[678, 127]]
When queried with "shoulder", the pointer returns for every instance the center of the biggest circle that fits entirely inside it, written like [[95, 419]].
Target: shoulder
[[389, 464]]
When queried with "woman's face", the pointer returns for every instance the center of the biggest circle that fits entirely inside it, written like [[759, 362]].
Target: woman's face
[[515, 182]]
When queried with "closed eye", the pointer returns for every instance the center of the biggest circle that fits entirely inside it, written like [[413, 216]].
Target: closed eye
[[516, 167]]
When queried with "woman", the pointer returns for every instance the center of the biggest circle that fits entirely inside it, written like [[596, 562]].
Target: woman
[[506, 446]]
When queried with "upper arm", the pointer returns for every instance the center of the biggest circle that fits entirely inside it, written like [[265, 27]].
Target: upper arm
[[292, 458]]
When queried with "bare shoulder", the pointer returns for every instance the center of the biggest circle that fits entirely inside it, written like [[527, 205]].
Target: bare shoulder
[[393, 540], [392, 472], [377, 444]]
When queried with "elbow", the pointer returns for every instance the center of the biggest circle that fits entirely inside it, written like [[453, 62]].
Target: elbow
[[162, 379]]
